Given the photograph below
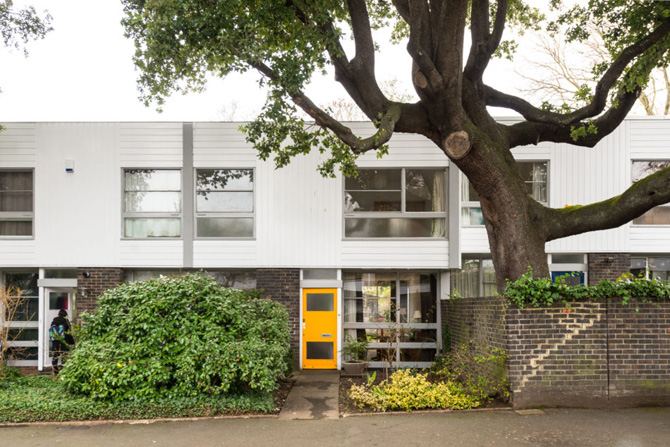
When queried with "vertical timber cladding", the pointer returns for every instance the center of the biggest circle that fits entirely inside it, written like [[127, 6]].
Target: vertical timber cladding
[[93, 282], [283, 286]]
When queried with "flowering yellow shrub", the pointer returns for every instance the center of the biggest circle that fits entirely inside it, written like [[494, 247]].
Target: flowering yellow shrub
[[408, 390]]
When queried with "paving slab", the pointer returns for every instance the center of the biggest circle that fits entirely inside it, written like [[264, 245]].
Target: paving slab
[[314, 396]]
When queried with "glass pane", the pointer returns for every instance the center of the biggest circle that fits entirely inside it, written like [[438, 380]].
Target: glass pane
[[567, 259], [410, 335], [225, 179], [417, 355], [472, 216], [394, 227], [153, 180], [241, 202], [375, 293], [60, 273], [16, 227], [638, 263], [27, 309], [568, 278], [320, 302], [22, 353], [25, 334], [535, 177], [466, 280], [319, 350], [16, 201], [383, 201], [418, 298], [225, 226], [468, 192], [58, 300], [489, 286], [642, 169], [655, 216], [16, 181], [25, 281], [424, 190], [319, 274], [149, 202], [236, 280], [141, 227], [374, 180]]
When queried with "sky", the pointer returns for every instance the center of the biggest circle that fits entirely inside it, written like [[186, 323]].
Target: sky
[[83, 71]]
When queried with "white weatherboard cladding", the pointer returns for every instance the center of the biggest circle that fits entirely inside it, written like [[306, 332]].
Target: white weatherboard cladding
[[17, 146], [417, 254], [220, 254], [150, 145], [142, 253], [221, 145], [77, 214]]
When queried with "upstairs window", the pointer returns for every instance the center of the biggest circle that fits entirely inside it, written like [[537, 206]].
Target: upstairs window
[[659, 215], [16, 203], [534, 174], [396, 203], [224, 203], [152, 203]]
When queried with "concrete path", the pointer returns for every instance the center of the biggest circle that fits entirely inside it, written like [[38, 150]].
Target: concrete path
[[556, 428], [314, 396]]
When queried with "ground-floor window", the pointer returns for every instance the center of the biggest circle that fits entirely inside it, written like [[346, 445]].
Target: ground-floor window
[[236, 279], [399, 314], [22, 317], [476, 278], [651, 268]]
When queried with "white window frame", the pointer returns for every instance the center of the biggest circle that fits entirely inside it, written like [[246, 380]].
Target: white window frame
[[24, 324], [403, 213], [153, 214], [476, 204], [667, 205], [9, 216], [224, 214]]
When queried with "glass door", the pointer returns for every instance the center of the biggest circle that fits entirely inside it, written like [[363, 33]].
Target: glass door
[[56, 299]]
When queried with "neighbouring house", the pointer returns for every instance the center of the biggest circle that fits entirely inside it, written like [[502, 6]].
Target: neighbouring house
[[86, 206]]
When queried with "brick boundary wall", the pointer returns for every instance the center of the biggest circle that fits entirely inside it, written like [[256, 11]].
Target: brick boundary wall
[[283, 286], [480, 320], [593, 354], [89, 289]]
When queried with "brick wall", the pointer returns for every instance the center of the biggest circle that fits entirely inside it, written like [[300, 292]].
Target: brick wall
[[283, 286], [609, 266], [480, 320], [99, 280]]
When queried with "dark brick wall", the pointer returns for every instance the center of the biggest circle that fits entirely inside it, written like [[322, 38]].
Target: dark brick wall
[[283, 286], [609, 266], [480, 320], [600, 354], [88, 289]]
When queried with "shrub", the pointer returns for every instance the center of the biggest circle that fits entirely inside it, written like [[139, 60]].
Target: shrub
[[178, 337], [481, 371], [408, 390]]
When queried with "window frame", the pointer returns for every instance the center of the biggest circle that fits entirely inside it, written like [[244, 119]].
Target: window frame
[[666, 205], [16, 216], [403, 213], [224, 214], [469, 204], [152, 214], [24, 324]]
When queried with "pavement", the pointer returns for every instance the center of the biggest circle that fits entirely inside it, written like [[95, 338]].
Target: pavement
[[313, 396]]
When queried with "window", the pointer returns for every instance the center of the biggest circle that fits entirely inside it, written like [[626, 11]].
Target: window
[[568, 268], [395, 203], [659, 215], [225, 203], [476, 278], [398, 312], [16, 203], [24, 321], [651, 268], [152, 203], [534, 174]]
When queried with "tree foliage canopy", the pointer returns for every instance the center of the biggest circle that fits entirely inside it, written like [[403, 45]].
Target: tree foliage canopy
[[18, 26], [450, 43]]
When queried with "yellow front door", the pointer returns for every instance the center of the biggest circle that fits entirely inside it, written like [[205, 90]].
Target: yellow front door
[[319, 328]]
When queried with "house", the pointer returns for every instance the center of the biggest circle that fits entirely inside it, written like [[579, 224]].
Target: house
[[86, 206]]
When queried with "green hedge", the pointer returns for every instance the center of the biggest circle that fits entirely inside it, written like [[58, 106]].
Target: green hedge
[[178, 337]]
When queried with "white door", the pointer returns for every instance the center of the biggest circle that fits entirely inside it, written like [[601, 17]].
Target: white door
[[55, 300]]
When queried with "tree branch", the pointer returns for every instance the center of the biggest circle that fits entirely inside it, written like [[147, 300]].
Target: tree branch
[[428, 73], [484, 42], [616, 211]]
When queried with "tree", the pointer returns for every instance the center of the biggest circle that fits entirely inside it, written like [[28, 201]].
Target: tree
[[18, 26], [179, 41]]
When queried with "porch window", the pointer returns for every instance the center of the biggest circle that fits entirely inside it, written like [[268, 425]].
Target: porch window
[[399, 314], [659, 215], [224, 203], [534, 174], [396, 203], [152, 203], [476, 278], [16, 204], [24, 322], [651, 268]]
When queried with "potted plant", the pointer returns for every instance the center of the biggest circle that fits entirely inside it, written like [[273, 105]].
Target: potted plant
[[354, 356]]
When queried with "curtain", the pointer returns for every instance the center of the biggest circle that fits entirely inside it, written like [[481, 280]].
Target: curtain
[[438, 227]]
